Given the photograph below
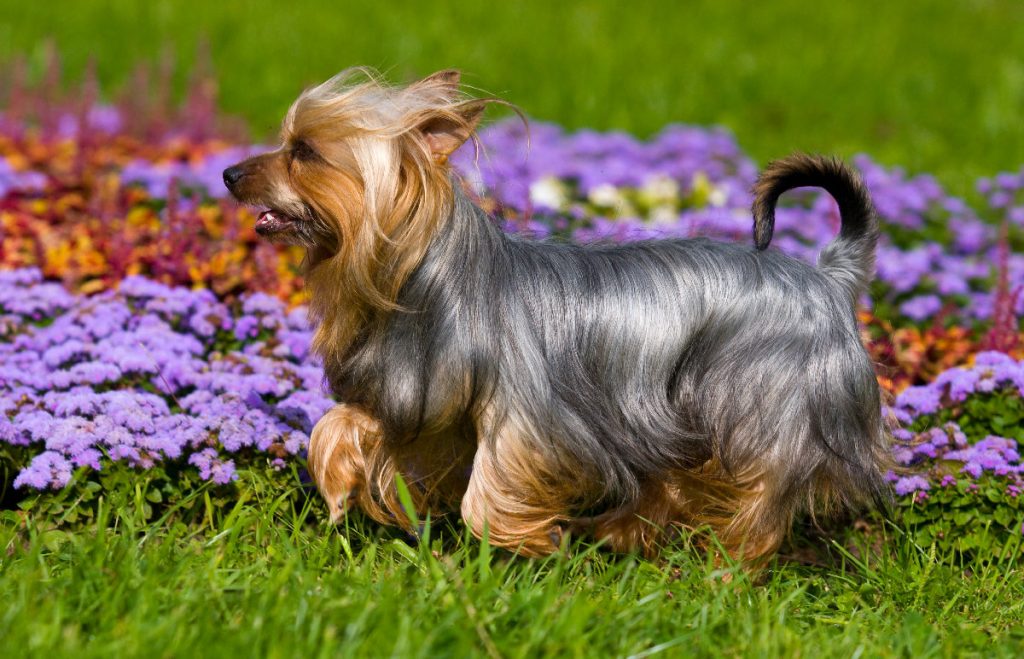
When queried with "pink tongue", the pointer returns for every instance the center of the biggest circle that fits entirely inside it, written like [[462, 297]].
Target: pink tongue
[[268, 221]]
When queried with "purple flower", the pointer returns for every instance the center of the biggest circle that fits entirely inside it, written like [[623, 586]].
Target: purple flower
[[925, 450], [12, 180], [246, 327], [49, 469], [919, 400], [260, 303], [34, 425], [972, 469], [960, 382], [921, 307], [909, 484], [903, 455], [213, 468]]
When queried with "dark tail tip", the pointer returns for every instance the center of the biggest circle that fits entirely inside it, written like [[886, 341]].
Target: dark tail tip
[[802, 170]]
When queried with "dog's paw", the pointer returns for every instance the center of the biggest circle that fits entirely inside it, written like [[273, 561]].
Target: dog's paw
[[557, 534], [340, 505]]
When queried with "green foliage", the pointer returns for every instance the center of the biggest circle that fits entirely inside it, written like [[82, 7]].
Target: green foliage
[[128, 561], [998, 413], [167, 494], [982, 519]]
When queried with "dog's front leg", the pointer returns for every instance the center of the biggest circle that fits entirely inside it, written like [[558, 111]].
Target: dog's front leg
[[336, 456]]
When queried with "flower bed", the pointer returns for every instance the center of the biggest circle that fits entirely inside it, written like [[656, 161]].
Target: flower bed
[[143, 327], [153, 377], [962, 437], [149, 374], [88, 201]]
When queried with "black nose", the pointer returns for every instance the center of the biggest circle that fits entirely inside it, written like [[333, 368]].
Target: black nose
[[231, 175]]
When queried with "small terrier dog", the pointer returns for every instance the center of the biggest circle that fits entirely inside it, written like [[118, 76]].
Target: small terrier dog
[[622, 391]]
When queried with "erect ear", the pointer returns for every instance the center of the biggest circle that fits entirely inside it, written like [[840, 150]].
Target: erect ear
[[446, 133], [446, 78]]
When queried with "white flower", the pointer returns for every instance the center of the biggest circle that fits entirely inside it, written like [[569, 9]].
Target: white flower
[[718, 196], [706, 193], [606, 195], [664, 214], [549, 192], [659, 190]]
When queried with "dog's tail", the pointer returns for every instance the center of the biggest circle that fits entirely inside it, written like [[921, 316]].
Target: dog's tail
[[850, 258]]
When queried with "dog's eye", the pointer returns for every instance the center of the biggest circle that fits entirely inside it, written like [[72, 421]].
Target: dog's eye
[[303, 152]]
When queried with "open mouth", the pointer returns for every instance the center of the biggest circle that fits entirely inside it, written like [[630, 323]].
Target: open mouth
[[272, 222]]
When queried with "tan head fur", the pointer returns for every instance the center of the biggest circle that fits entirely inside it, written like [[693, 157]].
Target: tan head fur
[[361, 179]]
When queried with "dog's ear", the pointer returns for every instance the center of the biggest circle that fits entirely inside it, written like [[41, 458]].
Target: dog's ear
[[446, 78], [449, 131]]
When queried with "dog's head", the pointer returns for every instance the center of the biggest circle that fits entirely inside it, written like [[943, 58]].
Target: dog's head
[[361, 175]]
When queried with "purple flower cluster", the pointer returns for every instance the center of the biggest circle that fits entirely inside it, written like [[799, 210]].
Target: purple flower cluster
[[940, 445], [991, 371], [149, 374], [514, 159], [202, 176], [98, 120], [1005, 194], [12, 180]]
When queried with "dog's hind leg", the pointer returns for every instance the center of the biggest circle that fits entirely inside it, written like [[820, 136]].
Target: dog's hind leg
[[757, 529], [745, 509], [642, 525]]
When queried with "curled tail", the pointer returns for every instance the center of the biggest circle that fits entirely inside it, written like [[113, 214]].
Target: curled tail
[[850, 258]]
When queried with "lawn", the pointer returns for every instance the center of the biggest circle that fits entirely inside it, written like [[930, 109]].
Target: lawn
[[141, 319], [265, 578]]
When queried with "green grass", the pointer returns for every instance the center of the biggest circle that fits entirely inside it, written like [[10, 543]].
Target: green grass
[[932, 85], [263, 577]]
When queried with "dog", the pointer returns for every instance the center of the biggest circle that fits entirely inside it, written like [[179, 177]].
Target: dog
[[626, 392]]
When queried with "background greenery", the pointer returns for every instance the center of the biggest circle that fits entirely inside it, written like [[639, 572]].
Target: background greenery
[[933, 85]]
